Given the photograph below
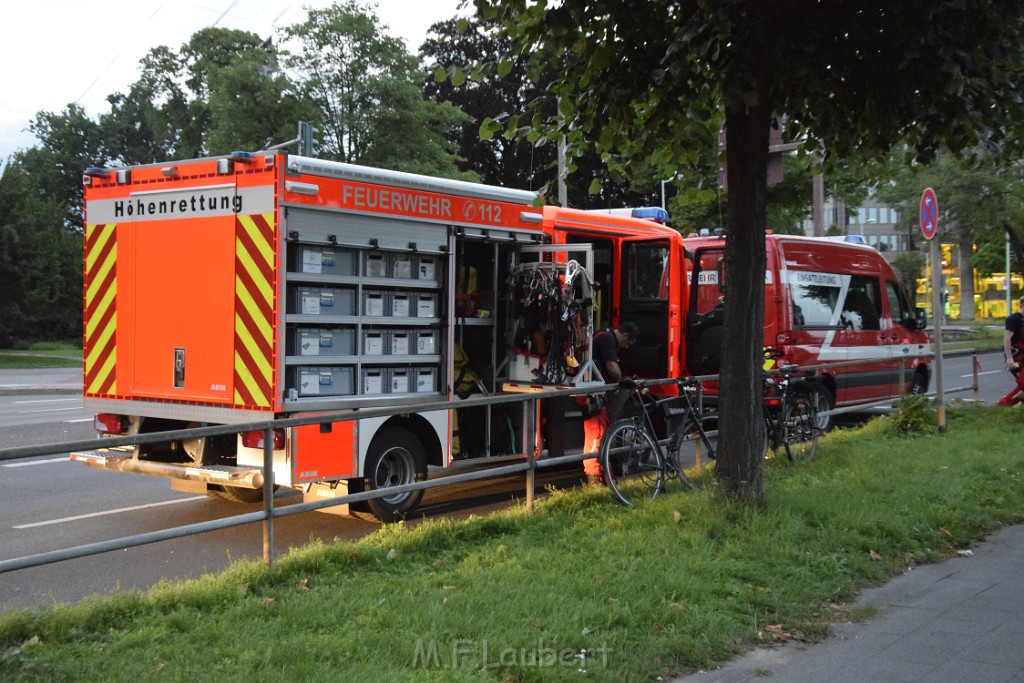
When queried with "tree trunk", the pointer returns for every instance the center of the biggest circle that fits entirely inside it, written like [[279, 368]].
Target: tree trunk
[[741, 434], [967, 311]]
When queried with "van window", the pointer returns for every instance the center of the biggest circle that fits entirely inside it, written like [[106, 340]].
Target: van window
[[862, 309], [709, 290], [646, 271], [815, 296], [898, 306]]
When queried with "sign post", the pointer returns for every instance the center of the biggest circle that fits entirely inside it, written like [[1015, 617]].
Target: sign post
[[929, 217]]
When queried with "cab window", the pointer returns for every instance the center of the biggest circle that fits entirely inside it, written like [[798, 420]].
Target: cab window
[[646, 271]]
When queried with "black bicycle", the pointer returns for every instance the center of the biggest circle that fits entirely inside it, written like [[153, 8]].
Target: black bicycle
[[634, 462], [790, 412]]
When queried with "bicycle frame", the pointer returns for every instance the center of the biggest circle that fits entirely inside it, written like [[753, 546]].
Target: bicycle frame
[[630, 449]]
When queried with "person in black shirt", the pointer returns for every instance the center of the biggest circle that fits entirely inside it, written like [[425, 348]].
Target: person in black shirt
[[1013, 345], [606, 346]]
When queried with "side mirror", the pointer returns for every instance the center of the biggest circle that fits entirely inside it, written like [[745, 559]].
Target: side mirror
[[920, 318]]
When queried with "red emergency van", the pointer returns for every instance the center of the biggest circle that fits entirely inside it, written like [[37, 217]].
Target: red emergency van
[[825, 302]]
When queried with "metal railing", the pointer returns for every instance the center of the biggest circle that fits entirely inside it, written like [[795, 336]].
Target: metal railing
[[532, 462]]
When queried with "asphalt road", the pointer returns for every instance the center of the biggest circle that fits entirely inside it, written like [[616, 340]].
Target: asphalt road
[[49, 503]]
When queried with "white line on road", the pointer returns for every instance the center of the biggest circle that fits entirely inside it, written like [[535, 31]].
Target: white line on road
[[986, 372], [81, 419], [48, 400], [47, 410], [108, 512], [37, 462]]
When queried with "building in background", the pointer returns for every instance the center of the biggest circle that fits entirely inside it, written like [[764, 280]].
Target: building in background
[[880, 227]]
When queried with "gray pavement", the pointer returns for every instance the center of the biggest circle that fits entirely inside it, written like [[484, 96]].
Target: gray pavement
[[957, 621], [41, 381]]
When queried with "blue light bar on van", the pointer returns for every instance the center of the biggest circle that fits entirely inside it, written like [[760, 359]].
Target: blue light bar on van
[[652, 213]]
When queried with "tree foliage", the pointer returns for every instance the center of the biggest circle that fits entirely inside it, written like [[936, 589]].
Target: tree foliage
[[368, 92], [223, 90], [852, 78], [981, 198]]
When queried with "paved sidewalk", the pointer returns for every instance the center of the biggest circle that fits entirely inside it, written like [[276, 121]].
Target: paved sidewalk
[[961, 620], [41, 381]]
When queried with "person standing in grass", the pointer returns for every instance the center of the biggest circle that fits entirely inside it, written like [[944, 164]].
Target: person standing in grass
[[1013, 353]]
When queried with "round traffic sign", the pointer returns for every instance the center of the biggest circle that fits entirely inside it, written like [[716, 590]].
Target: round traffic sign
[[929, 213]]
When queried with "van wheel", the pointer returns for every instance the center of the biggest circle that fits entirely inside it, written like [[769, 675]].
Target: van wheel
[[919, 385], [395, 458], [822, 404]]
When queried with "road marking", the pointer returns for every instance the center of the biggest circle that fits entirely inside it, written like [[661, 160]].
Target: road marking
[[81, 419], [108, 512], [986, 372], [47, 410], [48, 400], [37, 462]]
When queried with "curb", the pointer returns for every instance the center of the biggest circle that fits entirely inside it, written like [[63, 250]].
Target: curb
[[36, 390]]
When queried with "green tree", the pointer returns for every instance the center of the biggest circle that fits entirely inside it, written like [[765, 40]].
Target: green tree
[[909, 266], [69, 142], [959, 183], [500, 160], [368, 90], [40, 263], [633, 91], [511, 160], [250, 106], [153, 121]]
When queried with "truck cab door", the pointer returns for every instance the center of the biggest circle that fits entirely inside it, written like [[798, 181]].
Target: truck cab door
[[901, 325], [866, 335], [649, 286]]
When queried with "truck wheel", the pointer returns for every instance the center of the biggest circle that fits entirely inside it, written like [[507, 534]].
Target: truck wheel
[[395, 458], [822, 404], [919, 385]]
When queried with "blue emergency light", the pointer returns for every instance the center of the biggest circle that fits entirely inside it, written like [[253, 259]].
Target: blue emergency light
[[652, 213]]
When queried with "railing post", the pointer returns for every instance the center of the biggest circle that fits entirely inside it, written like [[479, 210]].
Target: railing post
[[698, 446], [975, 365], [530, 411], [268, 496], [902, 376]]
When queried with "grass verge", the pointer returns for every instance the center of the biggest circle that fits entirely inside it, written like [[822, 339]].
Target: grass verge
[[579, 584], [42, 355]]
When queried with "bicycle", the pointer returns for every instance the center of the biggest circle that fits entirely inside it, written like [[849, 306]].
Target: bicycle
[[790, 412], [631, 455]]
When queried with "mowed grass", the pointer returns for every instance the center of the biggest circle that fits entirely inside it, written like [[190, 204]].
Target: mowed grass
[[42, 355], [580, 588]]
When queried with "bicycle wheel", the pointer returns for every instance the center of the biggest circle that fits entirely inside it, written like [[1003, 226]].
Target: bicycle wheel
[[631, 462], [684, 450], [800, 427]]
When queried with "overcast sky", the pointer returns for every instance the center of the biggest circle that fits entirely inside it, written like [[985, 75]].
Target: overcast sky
[[57, 52]]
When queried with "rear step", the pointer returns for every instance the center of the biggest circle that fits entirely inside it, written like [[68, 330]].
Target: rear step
[[123, 461]]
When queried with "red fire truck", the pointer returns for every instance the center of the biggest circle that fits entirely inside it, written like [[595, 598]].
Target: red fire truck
[[242, 288]]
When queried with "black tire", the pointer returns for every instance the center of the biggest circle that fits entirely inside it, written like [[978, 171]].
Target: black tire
[[800, 427], [631, 462], [773, 433], [822, 406], [919, 385], [395, 458], [237, 494], [685, 450]]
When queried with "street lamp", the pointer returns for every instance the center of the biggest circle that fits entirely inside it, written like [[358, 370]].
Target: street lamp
[[675, 176]]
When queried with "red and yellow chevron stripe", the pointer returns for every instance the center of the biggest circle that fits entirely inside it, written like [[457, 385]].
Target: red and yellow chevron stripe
[[100, 334], [255, 265]]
